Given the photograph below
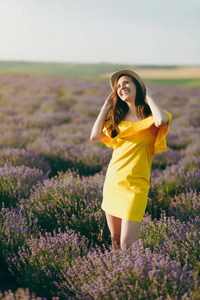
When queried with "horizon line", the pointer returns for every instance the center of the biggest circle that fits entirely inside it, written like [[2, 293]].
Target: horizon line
[[103, 62]]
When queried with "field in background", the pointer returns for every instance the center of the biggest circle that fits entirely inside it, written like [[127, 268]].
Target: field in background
[[178, 75], [54, 237]]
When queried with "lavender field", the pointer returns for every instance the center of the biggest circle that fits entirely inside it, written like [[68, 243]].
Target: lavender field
[[54, 240]]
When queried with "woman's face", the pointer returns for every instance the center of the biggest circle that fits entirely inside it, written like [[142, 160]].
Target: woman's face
[[126, 88]]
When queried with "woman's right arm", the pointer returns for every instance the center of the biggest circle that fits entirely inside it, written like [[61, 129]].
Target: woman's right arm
[[97, 130]]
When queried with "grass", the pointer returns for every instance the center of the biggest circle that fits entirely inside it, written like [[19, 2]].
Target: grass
[[91, 70], [62, 69], [190, 82]]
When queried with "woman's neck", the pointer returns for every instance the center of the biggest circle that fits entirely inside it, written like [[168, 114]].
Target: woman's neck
[[131, 116], [132, 108]]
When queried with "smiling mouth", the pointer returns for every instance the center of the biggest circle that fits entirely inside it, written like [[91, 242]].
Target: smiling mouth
[[125, 92]]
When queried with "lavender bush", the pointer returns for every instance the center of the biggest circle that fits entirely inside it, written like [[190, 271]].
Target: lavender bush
[[177, 142], [22, 294], [191, 162], [136, 272], [47, 239], [174, 180], [17, 182], [167, 249], [163, 159], [39, 262], [15, 229], [185, 206], [179, 240], [63, 156], [169, 183], [20, 157], [70, 202]]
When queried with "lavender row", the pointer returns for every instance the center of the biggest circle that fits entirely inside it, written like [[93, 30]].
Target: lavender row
[[163, 263], [51, 117], [53, 233], [49, 209]]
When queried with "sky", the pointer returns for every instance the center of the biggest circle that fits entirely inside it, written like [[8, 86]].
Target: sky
[[139, 32]]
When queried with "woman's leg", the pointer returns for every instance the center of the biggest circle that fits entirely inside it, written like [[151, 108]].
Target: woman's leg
[[129, 232], [114, 224]]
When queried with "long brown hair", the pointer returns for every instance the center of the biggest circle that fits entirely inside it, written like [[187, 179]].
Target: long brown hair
[[120, 108]]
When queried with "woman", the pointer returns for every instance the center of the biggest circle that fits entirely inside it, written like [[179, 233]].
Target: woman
[[136, 128]]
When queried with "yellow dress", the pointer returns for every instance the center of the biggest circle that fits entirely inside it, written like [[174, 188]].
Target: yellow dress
[[127, 179]]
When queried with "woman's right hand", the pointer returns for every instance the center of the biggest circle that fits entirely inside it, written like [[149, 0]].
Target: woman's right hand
[[109, 101]]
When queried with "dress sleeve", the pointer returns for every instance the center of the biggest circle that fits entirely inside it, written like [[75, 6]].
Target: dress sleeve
[[160, 143], [107, 140]]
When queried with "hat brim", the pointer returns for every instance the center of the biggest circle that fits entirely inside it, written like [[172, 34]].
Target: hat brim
[[118, 74]]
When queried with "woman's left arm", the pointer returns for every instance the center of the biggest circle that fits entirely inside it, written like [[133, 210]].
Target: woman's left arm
[[159, 115]]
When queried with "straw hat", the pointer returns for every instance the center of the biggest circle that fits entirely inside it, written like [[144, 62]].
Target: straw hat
[[117, 74]]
